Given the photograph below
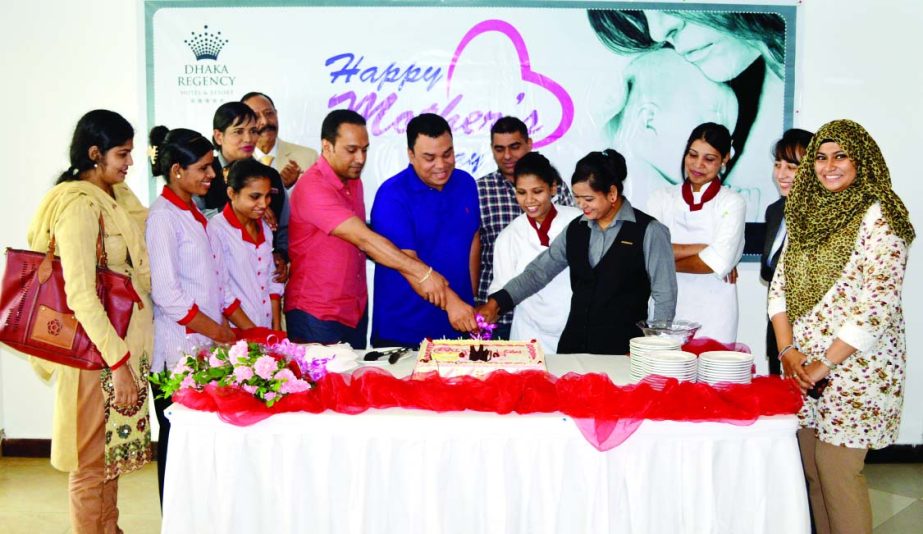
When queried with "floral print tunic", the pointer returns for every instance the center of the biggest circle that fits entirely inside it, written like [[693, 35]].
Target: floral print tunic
[[861, 407]]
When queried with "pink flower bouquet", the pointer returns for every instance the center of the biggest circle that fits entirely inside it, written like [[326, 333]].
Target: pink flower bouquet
[[266, 371]]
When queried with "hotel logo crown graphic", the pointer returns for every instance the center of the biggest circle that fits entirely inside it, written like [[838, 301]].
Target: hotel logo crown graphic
[[206, 45]]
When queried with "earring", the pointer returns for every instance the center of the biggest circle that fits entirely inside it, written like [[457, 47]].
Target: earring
[[724, 169]]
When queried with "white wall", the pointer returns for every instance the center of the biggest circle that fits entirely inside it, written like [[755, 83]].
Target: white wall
[[59, 59], [856, 60]]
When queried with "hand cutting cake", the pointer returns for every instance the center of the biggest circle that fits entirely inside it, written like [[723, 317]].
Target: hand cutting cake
[[477, 358]]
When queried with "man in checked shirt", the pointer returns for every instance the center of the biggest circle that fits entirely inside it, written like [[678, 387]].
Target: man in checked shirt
[[509, 141]]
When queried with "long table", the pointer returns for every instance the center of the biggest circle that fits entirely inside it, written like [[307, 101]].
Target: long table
[[414, 471]]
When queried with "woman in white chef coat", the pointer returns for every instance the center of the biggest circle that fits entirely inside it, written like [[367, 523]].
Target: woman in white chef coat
[[543, 315], [706, 223]]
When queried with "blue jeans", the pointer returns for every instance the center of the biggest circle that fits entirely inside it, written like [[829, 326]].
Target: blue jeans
[[305, 328]]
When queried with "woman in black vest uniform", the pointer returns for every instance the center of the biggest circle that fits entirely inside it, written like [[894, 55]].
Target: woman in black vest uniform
[[787, 154], [620, 260]]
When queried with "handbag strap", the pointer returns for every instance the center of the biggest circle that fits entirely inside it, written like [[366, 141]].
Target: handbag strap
[[102, 260]]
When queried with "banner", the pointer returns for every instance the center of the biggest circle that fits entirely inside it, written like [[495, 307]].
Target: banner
[[583, 77]]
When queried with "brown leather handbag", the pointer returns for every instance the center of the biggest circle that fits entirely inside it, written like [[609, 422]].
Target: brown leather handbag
[[35, 319]]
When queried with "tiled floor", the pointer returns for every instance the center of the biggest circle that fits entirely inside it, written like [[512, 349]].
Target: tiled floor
[[33, 498], [896, 491]]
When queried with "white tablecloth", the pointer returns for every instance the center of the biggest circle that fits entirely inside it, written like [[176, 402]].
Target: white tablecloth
[[411, 471]]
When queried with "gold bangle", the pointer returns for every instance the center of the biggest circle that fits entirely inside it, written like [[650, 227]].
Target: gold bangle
[[426, 276]]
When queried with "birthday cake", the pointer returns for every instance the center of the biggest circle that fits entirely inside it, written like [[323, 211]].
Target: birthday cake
[[477, 358]]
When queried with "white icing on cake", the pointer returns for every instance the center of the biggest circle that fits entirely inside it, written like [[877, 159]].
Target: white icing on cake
[[451, 358]]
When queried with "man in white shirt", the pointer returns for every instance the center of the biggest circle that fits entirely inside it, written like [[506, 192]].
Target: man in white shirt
[[289, 159]]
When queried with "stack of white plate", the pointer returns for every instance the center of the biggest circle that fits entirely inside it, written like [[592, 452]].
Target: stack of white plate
[[660, 356], [725, 366], [641, 346]]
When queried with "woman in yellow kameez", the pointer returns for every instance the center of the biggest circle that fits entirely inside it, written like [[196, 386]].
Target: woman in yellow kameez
[[101, 426]]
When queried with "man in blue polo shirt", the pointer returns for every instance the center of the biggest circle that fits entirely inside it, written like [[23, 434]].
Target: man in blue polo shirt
[[430, 211]]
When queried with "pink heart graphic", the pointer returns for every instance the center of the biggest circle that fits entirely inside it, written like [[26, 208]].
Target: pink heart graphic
[[526, 72]]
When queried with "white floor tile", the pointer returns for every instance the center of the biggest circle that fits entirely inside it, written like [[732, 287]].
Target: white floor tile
[[886, 505]]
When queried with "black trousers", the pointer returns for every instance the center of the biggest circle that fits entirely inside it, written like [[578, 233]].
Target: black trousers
[[163, 437], [772, 351]]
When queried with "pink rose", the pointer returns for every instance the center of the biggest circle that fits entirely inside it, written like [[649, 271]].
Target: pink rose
[[249, 389], [215, 361], [243, 373], [181, 367], [265, 367], [286, 375], [269, 396], [295, 386], [187, 383], [238, 351]]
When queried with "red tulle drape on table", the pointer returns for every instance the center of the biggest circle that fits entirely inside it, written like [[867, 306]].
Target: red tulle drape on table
[[606, 414]]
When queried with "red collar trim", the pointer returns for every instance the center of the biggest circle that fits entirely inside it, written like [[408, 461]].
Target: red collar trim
[[711, 191], [542, 230], [174, 199], [232, 219]]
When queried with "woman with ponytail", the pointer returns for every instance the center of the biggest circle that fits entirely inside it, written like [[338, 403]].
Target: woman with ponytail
[[706, 222], [192, 299], [619, 260], [100, 428]]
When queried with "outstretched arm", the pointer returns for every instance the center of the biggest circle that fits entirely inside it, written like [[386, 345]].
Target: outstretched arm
[[461, 314], [426, 282]]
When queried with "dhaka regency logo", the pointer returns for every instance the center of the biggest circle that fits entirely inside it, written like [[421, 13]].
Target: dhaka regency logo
[[206, 80]]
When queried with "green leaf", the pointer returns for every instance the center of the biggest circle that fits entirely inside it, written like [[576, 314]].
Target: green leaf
[[201, 377], [216, 373]]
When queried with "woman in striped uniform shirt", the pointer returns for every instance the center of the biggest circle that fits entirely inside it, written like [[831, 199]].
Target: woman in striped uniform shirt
[[192, 300], [243, 240]]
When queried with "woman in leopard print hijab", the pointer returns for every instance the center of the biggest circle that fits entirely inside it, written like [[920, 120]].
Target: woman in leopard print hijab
[[835, 304], [823, 224]]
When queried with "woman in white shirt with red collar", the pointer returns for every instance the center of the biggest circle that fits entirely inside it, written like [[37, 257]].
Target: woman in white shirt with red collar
[[192, 303], [244, 241], [543, 315], [706, 223]]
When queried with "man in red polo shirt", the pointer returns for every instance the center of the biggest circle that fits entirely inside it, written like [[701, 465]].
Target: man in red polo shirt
[[326, 299]]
